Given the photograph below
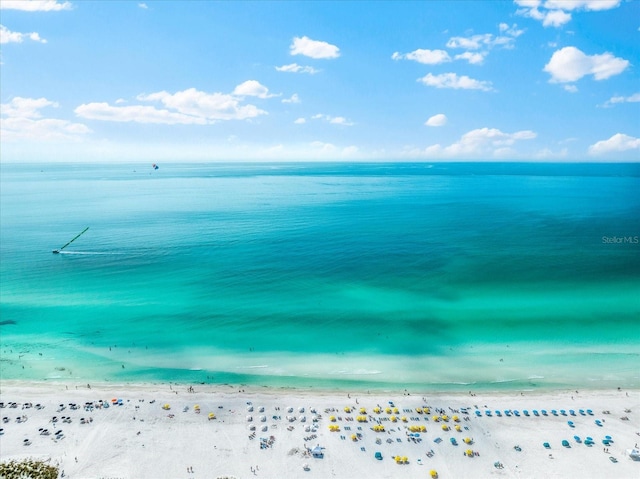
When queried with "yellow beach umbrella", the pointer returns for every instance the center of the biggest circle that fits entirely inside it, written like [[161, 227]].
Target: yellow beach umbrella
[[377, 410], [403, 418], [469, 452], [445, 427], [393, 418], [468, 440], [426, 410], [433, 473], [347, 409], [436, 418], [212, 416], [332, 418], [458, 428], [405, 459], [354, 438], [396, 410], [456, 418], [166, 407], [419, 410], [363, 410], [445, 417]]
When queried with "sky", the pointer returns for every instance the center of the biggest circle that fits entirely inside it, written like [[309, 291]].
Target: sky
[[521, 80]]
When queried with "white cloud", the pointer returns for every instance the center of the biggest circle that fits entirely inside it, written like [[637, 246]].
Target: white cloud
[[571, 88], [35, 5], [437, 120], [252, 88], [300, 121], [7, 36], [582, 4], [336, 120], [295, 68], [482, 142], [293, 99], [553, 13], [313, 48], [189, 106], [25, 107], [143, 6], [451, 80], [322, 146], [555, 18], [617, 143], [427, 57], [635, 98], [474, 58], [350, 150], [473, 42], [22, 120], [570, 64]]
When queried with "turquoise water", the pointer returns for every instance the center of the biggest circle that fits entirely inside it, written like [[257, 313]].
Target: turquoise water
[[443, 277]]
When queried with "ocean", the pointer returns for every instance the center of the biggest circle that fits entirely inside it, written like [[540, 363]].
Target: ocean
[[430, 277]]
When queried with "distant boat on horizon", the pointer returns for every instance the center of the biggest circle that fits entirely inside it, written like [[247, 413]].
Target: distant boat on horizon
[[56, 251]]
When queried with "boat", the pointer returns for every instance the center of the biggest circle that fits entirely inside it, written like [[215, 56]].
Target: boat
[[56, 251]]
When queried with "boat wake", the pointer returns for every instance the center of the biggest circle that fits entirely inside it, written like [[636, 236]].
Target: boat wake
[[88, 252]]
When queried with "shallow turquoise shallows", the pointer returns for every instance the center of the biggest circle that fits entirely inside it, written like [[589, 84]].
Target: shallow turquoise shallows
[[351, 276]]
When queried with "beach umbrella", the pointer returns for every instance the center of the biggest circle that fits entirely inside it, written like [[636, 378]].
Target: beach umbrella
[[166, 407], [393, 418], [250, 408], [332, 418], [347, 409], [433, 473], [363, 410], [212, 416], [249, 418], [469, 452]]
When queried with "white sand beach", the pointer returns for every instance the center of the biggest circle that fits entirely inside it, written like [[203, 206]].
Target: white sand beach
[[270, 433]]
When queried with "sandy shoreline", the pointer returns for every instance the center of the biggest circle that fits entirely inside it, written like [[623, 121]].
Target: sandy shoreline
[[140, 439]]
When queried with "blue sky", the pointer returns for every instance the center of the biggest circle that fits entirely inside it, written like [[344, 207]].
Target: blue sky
[[523, 80]]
